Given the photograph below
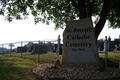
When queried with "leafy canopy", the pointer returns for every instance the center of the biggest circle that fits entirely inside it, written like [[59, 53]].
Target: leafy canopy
[[57, 11]]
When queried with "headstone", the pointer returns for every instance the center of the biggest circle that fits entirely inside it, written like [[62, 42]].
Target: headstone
[[79, 43], [21, 49], [40, 47], [60, 48]]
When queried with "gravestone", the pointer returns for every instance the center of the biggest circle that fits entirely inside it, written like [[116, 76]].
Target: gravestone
[[79, 43], [21, 49], [40, 47], [60, 49]]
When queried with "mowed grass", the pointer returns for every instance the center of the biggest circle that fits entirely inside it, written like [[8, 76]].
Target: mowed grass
[[17, 68], [44, 58], [113, 59], [14, 68]]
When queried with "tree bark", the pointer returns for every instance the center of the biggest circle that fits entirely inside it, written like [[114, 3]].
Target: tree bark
[[103, 16], [85, 9], [90, 6], [82, 9]]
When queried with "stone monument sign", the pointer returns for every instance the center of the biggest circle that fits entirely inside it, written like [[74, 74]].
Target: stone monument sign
[[79, 43]]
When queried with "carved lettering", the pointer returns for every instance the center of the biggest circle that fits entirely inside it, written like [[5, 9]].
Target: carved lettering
[[67, 30], [78, 37], [68, 44], [85, 30], [70, 37]]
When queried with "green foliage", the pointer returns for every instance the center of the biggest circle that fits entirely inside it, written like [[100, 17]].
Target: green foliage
[[100, 41], [28, 45], [57, 11], [49, 46], [114, 14], [119, 45]]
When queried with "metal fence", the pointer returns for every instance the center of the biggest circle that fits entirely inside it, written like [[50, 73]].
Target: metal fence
[[111, 58], [42, 51], [46, 52]]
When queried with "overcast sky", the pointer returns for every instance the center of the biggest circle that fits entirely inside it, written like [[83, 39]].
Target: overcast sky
[[26, 30]]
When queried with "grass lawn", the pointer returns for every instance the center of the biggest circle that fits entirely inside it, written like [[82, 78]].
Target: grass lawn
[[17, 68], [113, 59], [14, 68], [44, 58]]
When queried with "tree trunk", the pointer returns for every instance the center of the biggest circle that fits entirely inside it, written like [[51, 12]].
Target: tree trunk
[[82, 9], [86, 9], [103, 16]]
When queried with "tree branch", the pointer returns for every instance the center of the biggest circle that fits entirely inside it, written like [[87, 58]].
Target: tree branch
[[74, 4], [92, 6], [88, 8], [103, 16], [82, 9]]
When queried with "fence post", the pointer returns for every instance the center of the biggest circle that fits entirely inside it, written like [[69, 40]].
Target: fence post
[[11, 50], [38, 52], [119, 65], [58, 45], [21, 49], [106, 44], [2, 49]]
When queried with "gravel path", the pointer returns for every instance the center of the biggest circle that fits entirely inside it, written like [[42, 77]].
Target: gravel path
[[76, 72]]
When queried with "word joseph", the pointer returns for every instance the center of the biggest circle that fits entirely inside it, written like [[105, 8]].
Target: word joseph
[[85, 36], [85, 30]]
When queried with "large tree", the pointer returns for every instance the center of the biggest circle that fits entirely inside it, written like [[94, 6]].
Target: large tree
[[62, 11]]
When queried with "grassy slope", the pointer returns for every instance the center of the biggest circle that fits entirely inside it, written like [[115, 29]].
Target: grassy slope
[[13, 68], [17, 68]]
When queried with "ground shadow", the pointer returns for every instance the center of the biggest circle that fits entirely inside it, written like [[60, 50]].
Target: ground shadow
[[111, 63]]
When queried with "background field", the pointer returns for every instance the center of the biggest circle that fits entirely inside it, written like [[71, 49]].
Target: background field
[[112, 58], [44, 58], [17, 68]]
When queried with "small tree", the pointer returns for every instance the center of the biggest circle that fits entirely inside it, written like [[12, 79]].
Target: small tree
[[28, 45]]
